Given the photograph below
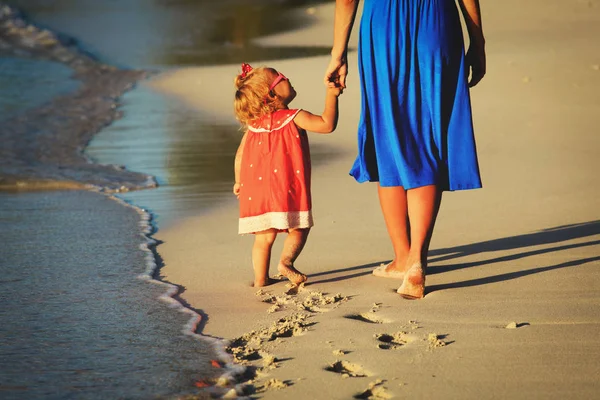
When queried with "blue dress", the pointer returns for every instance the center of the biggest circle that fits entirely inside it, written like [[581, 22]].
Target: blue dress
[[415, 126]]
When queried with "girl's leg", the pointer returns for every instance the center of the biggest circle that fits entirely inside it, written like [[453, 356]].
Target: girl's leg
[[394, 206], [261, 256], [293, 245], [423, 206]]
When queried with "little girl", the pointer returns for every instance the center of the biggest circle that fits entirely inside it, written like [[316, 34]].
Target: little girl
[[272, 167]]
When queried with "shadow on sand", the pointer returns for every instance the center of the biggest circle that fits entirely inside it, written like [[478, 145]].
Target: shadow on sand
[[555, 236]]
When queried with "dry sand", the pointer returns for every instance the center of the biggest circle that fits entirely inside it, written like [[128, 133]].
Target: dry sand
[[511, 308]]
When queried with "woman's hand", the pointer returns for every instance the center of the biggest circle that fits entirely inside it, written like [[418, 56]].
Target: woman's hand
[[476, 61], [335, 75]]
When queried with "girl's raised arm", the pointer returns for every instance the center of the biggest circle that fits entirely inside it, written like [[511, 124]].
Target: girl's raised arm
[[324, 123]]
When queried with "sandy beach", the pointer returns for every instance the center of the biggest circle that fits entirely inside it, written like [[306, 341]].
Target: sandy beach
[[511, 305]]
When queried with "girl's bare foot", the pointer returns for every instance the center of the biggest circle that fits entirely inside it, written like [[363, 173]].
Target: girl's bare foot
[[262, 283], [291, 273]]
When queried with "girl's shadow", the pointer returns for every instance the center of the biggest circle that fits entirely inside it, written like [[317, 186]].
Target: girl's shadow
[[554, 236]]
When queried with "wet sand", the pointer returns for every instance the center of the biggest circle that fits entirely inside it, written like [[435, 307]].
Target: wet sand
[[511, 305]]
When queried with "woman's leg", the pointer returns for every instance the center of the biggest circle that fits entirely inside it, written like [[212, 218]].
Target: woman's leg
[[394, 206], [293, 245], [261, 256], [423, 206]]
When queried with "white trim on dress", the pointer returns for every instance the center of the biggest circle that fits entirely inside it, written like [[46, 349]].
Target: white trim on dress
[[277, 220]]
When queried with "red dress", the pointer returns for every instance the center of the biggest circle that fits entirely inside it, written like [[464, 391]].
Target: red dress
[[275, 175]]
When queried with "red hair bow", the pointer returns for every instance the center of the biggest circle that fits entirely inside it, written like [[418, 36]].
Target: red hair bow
[[245, 69]]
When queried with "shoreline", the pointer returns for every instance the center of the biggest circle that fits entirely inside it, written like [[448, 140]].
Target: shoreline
[[171, 297], [70, 168]]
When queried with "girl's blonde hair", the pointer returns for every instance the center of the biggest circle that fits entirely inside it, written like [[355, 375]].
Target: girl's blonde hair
[[252, 97]]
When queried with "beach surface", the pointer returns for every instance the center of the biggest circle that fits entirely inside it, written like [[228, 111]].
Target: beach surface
[[512, 298]]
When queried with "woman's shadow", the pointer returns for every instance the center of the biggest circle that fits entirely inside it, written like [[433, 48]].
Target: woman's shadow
[[525, 243]]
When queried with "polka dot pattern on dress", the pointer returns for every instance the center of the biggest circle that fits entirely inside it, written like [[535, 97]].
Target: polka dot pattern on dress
[[285, 154]]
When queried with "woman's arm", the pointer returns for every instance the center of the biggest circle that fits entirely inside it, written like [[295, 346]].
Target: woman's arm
[[326, 122], [237, 165], [472, 13], [345, 13], [476, 53]]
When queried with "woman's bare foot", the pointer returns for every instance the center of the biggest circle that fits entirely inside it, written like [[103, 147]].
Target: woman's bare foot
[[263, 283], [413, 285], [291, 273], [389, 270]]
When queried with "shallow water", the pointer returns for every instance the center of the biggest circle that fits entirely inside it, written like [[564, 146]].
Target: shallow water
[[27, 84], [76, 321], [190, 155], [155, 34]]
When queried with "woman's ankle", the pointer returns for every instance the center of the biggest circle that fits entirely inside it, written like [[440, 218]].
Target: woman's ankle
[[416, 257]]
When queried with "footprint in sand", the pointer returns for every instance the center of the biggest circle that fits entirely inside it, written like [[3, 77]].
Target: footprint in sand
[[318, 302], [297, 297], [273, 384], [435, 341], [368, 317], [515, 325], [247, 347], [398, 340], [375, 391], [340, 352], [392, 342], [347, 370]]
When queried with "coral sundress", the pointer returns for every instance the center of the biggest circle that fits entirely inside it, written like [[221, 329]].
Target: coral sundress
[[275, 175]]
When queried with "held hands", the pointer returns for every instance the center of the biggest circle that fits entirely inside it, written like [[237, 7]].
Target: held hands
[[335, 75], [335, 91]]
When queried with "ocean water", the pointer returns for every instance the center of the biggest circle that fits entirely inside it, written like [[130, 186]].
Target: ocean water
[[158, 34], [77, 321], [188, 153], [27, 84]]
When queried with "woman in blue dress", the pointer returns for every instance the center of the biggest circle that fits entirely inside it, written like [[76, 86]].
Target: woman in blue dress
[[415, 135]]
